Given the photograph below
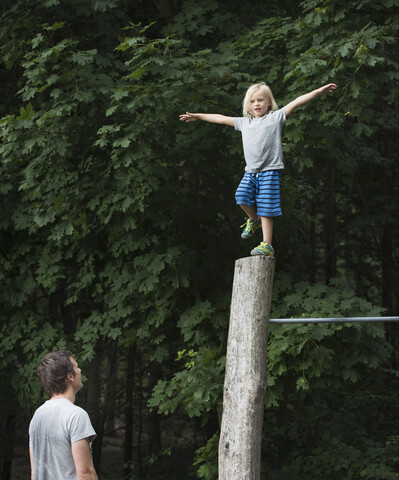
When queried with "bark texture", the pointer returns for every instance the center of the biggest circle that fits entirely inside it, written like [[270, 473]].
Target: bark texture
[[245, 377]]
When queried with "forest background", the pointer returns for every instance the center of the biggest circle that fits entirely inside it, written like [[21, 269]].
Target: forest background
[[119, 229]]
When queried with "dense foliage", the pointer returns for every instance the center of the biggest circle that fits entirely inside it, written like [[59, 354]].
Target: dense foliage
[[119, 230]]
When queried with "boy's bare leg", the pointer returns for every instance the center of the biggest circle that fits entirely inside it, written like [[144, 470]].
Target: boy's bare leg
[[267, 229], [250, 211]]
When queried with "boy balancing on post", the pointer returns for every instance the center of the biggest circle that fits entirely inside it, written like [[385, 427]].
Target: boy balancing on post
[[258, 193]]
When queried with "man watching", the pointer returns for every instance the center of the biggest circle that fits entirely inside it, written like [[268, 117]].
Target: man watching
[[60, 433]]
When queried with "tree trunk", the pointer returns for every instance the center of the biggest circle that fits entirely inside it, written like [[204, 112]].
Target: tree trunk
[[7, 434], [111, 387], [167, 8], [331, 229], [312, 242], [94, 404], [142, 469], [387, 262], [129, 391], [245, 377]]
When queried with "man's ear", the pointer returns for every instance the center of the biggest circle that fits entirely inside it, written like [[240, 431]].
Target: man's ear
[[70, 377]]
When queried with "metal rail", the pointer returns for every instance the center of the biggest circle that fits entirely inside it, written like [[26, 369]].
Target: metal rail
[[334, 320]]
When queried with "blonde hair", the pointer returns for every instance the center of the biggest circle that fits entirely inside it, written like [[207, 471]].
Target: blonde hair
[[266, 90]]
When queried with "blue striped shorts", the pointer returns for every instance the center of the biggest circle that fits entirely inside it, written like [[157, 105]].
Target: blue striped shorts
[[261, 190]]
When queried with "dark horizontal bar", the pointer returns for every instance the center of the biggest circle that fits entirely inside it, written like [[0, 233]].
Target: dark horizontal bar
[[334, 320]]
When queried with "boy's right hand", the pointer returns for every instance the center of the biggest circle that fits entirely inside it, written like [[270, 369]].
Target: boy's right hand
[[188, 117]]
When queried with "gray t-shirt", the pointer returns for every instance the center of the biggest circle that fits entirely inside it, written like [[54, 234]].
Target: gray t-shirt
[[261, 138], [54, 427]]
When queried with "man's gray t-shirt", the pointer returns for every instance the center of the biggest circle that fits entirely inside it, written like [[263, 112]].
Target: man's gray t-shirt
[[54, 427], [261, 138]]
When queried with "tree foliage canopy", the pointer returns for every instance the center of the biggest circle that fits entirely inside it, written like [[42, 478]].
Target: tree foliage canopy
[[119, 229]]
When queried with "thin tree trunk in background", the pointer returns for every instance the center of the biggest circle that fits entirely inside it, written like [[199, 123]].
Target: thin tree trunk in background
[[389, 292], [7, 439], [93, 403], [129, 391], [331, 229], [140, 429], [167, 8], [312, 242], [110, 392], [388, 282], [154, 418]]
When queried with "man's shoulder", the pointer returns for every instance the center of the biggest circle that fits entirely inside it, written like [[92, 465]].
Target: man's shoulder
[[56, 404], [71, 409], [60, 406]]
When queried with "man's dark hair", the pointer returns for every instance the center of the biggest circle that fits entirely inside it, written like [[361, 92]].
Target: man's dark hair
[[53, 369]]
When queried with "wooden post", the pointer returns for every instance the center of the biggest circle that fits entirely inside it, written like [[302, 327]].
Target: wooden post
[[245, 377]]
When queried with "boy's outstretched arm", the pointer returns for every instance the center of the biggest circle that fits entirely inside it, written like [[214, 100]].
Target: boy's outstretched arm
[[207, 117], [290, 107]]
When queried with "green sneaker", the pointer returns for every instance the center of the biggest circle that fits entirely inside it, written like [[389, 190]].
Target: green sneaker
[[263, 248], [250, 227]]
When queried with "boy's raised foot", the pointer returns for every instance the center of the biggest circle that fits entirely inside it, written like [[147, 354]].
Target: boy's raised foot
[[250, 227], [263, 248]]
